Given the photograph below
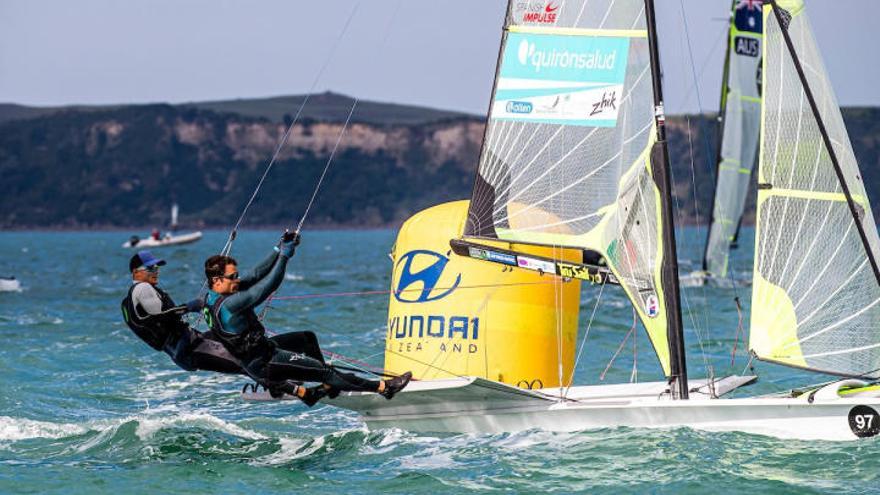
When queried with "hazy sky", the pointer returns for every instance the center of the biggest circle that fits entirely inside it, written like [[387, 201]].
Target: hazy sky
[[438, 53]]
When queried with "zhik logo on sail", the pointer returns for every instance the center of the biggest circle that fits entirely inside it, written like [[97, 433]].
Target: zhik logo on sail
[[542, 59], [416, 285]]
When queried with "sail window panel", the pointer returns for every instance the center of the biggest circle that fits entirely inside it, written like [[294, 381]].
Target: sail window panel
[[815, 298]]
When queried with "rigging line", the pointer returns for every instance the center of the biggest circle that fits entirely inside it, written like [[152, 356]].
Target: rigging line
[[429, 365], [347, 121], [354, 105], [302, 220], [697, 212], [634, 376], [584, 340], [701, 121], [683, 293], [739, 331], [686, 300], [228, 247], [620, 347], [386, 292], [708, 148]]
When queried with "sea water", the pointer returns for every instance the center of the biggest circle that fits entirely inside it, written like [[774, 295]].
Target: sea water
[[87, 408]]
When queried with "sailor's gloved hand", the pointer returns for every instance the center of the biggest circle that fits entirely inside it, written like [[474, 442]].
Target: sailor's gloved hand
[[289, 242], [293, 237]]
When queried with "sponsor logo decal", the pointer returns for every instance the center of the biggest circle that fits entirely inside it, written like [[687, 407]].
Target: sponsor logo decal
[[579, 272], [864, 421], [537, 11], [565, 56], [483, 254], [507, 259], [652, 306], [557, 79], [419, 286], [480, 254], [535, 264], [519, 107], [750, 47], [607, 102]]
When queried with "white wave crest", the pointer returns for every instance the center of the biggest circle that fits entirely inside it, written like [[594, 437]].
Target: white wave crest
[[16, 429], [149, 425]]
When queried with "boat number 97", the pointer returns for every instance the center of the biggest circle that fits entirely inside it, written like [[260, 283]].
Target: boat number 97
[[864, 421]]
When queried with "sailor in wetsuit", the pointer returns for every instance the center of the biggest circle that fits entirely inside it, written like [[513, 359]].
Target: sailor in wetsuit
[[229, 310], [152, 315]]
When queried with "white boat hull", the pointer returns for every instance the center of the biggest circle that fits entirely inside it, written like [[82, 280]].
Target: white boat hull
[[476, 405], [9, 285], [165, 241]]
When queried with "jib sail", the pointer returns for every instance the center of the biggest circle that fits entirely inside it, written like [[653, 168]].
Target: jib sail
[[815, 296]]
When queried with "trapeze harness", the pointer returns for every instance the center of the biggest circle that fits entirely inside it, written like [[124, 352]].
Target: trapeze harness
[[158, 331], [169, 333], [246, 345]]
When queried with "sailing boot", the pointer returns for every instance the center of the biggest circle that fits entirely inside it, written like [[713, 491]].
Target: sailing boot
[[279, 389], [310, 396], [395, 385]]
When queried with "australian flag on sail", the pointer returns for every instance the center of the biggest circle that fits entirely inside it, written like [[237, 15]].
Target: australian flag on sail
[[748, 16]]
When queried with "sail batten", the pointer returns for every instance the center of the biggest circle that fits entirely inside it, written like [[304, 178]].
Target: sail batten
[[815, 295]]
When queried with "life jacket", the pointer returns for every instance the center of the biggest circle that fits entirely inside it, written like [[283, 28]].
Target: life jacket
[[156, 330], [246, 345]]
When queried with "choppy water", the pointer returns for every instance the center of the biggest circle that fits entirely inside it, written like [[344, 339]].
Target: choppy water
[[86, 408]]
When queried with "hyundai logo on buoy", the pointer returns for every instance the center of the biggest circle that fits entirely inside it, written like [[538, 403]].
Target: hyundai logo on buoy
[[417, 286]]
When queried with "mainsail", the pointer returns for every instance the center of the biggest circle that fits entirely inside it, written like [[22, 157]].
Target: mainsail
[[568, 157], [740, 120], [816, 292]]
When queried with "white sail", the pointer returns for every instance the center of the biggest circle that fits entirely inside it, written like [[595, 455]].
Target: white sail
[[567, 156], [174, 211], [815, 297], [740, 121]]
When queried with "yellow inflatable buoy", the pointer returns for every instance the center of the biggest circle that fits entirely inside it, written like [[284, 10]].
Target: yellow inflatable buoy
[[455, 316]]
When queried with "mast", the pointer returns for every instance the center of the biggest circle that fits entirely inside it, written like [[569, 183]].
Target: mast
[[661, 172], [853, 208], [722, 111]]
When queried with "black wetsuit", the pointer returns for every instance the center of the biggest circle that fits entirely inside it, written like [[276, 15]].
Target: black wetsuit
[[168, 332], [271, 361]]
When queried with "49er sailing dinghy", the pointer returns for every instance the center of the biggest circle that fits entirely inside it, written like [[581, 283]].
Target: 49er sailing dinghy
[[739, 121], [573, 183]]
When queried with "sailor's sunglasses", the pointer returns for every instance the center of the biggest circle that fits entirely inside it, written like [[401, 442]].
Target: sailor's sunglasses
[[150, 269], [231, 276]]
